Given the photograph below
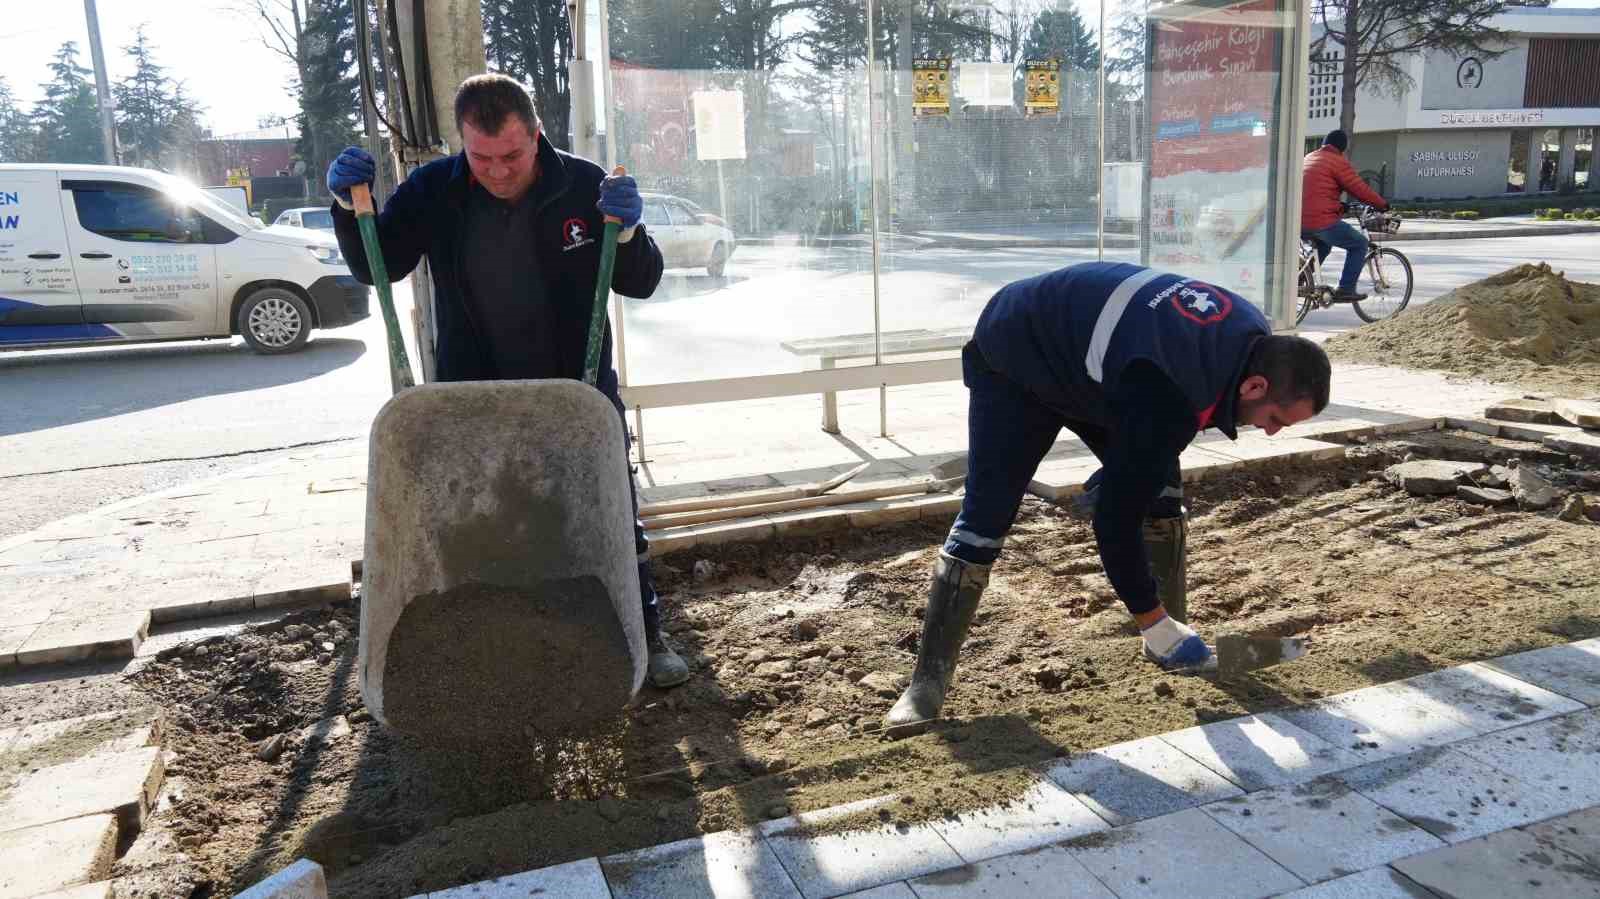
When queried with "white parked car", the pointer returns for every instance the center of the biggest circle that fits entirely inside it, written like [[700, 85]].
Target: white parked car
[[689, 237], [109, 254], [317, 218]]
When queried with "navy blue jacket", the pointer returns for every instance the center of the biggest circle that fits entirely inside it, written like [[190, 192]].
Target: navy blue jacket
[[426, 215], [1154, 358]]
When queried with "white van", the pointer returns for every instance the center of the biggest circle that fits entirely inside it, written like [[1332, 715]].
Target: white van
[[106, 254]]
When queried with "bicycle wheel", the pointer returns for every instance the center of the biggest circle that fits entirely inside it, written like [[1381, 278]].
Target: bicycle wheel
[[1387, 283], [1305, 309]]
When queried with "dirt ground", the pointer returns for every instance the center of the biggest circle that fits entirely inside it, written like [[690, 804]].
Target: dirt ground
[[798, 648]]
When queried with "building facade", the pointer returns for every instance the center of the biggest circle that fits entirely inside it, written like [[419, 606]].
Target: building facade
[[1518, 123]]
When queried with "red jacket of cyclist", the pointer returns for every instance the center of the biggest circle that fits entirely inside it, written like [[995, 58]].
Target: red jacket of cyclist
[[1327, 175]]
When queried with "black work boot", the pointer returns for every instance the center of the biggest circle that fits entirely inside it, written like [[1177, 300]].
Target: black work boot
[[1167, 542], [952, 601]]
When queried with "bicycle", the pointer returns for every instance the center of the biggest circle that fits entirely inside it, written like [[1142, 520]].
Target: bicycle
[[1387, 281]]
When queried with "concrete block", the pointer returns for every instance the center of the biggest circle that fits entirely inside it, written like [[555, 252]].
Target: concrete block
[[500, 590], [98, 733], [1484, 496], [1261, 751], [727, 865], [98, 890], [1376, 883], [11, 640], [78, 851], [896, 890], [123, 784], [1432, 477], [1139, 779], [325, 580], [573, 880], [1322, 829], [1200, 462], [77, 639], [751, 530], [831, 864], [1044, 813], [1583, 413], [1489, 700], [1557, 754], [1450, 795], [1572, 669], [1257, 447], [1064, 479], [301, 880], [809, 522], [1180, 855], [1575, 834], [1577, 443], [1376, 722], [1051, 871], [1523, 410], [1508, 863], [1475, 425]]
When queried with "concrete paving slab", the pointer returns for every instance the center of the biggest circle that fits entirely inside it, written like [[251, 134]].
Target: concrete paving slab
[[325, 580], [79, 851], [1508, 863], [1452, 796], [1057, 480], [897, 890], [1572, 669], [573, 880], [1042, 814], [63, 639], [727, 865], [1261, 751], [1576, 834], [1561, 755], [1578, 443], [1490, 700], [671, 539], [11, 640], [1255, 447], [1049, 871], [1583, 413], [302, 880], [100, 890], [122, 783], [101, 732], [1322, 829], [1385, 720], [831, 864], [1139, 779], [1178, 856], [1378, 883]]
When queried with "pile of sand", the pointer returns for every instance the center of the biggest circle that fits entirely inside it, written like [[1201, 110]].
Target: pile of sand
[[1527, 325]]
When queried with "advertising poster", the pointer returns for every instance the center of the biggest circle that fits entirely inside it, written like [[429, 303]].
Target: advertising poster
[[718, 125], [1042, 89], [930, 86], [1213, 86]]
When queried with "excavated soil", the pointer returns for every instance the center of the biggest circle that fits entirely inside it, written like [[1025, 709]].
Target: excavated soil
[[1527, 325], [799, 646]]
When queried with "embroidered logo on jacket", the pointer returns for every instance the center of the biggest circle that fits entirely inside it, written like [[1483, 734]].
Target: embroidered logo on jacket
[[1202, 303], [575, 234]]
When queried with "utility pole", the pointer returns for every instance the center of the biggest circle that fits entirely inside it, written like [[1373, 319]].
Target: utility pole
[[102, 85]]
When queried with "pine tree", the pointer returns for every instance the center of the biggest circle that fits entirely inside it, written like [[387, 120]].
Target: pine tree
[[16, 130], [531, 40], [68, 118], [144, 106], [329, 85]]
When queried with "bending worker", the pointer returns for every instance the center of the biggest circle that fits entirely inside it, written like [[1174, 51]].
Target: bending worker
[[511, 228], [1327, 175], [1135, 362]]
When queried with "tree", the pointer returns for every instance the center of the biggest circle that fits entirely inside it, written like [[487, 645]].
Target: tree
[[156, 122], [16, 131], [68, 118], [531, 40], [1062, 35], [317, 37], [1375, 37]]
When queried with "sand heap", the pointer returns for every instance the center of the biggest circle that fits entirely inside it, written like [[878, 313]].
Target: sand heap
[[1528, 325]]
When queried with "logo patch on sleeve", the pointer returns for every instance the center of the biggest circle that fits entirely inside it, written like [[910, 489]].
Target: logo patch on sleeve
[[1202, 303], [574, 234]]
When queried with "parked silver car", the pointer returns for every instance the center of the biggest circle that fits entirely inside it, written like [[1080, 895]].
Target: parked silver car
[[317, 218], [689, 236]]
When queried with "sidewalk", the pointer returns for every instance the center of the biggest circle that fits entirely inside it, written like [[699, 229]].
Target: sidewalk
[[289, 532], [1474, 782]]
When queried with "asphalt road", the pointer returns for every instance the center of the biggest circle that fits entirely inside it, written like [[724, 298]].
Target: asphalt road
[[82, 427]]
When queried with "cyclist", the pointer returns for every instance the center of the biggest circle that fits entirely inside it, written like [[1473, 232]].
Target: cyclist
[[1327, 174]]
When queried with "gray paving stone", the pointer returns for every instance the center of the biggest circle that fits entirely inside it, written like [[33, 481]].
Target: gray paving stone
[[1561, 754], [832, 864], [1378, 883], [119, 783], [897, 890], [1508, 863], [99, 890], [1049, 871], [1577, 443], [1139, 779], [301, 880], [1571, 669], [1491, 700], [79, 851], [11, 640], [1043, 814], [1452, 796], [728, 865], [74, 640], [1577, 834], [1179, 856], [1261, 751], [573, 880], [1376, 722], [1322, 829]]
